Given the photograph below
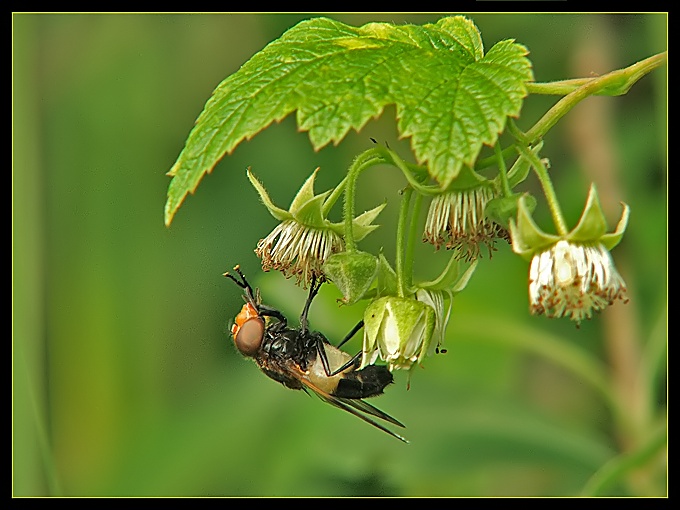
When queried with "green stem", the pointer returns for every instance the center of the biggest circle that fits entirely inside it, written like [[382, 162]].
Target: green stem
[[621, 465], [402, 277], [626, 77], [333, 197], [502, 170], [492, 160], [548, 189], [411, 241], [414, 174], [520, 169], [363, 161], [614, 83]]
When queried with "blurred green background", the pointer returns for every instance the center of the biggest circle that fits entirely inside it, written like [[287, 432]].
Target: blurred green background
[[125, 381]]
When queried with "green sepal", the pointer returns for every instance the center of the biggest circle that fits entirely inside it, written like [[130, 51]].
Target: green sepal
[[527, 237], [502, 209], [305, 194], [310, 213], [450, 279], [612, 239], [592, 224], [467, 179], [464, 278], [362, 224], [386, 284], [277, 212], [310, 210]]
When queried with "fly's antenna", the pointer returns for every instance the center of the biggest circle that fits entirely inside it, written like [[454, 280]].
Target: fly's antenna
[[252, 297]]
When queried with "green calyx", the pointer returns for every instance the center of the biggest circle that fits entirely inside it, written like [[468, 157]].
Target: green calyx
[[402, 331], [311, 210], [528, 238], [503, 209]]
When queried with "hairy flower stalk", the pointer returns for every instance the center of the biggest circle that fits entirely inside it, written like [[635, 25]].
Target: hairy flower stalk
[[573, 280], [457, 219]]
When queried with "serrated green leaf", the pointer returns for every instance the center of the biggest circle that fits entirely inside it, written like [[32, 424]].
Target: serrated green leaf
[[450, 97]]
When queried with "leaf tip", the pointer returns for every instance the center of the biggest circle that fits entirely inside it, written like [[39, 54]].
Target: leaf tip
[[169, 213]]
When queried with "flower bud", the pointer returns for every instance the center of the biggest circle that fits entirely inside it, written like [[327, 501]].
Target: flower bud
[[352, 273], [398, 330]]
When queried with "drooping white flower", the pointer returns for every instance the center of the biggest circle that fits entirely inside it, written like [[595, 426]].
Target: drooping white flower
[[304, 239], [571, 275]]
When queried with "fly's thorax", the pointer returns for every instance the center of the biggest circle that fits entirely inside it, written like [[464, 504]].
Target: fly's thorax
[[284, 344]]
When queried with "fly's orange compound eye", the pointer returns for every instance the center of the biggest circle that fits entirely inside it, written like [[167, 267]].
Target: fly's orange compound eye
[[248, 337], [248, 330]]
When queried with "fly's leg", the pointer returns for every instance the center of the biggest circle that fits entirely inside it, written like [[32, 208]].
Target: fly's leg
[[268, 311], [350, 362], [253, 297], [313, 291], [351, 334]]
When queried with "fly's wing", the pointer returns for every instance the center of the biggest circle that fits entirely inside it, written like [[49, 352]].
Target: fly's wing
[[365, 407], [357, 407]]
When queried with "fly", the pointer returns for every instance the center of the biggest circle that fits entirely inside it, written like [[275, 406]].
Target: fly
[[301, 359]]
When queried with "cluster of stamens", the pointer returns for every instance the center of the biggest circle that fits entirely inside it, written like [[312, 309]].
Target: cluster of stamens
[[298, 250], [456, 220], [574, 280]]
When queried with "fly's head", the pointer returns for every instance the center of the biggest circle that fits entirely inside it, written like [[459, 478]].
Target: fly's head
[[249, 325]]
